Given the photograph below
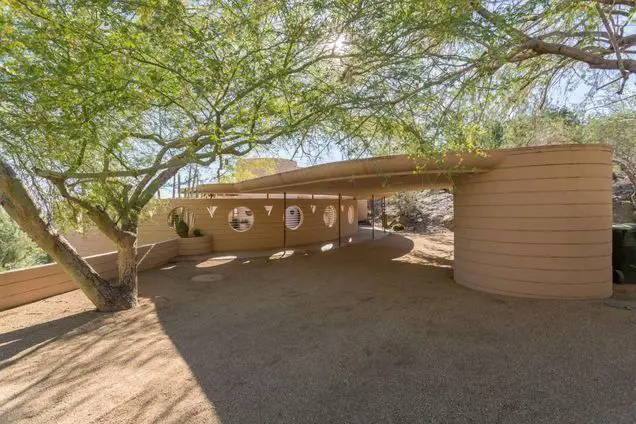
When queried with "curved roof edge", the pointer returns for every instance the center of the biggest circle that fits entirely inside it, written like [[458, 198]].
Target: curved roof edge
[[382, 174]]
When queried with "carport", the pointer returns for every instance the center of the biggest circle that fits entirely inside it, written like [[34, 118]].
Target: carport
[[532, 222]]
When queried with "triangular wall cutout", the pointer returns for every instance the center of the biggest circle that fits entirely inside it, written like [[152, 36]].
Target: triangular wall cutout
[[269, 208], [211, 210], [313, 208], [341, 208]]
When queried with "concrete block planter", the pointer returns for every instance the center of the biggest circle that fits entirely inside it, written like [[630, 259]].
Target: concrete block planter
[[195, 245]]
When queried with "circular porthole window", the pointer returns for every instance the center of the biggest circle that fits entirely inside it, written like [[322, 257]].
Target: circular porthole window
[[329, 216], [293, 217], [351, 214], [181, 220], [241, 219]]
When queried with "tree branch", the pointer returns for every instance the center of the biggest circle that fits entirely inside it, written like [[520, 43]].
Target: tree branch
[[593, 61], [97, 215], [541, 47]]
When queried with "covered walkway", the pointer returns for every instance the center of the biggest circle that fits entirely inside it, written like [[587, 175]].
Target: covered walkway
[[533, 222]]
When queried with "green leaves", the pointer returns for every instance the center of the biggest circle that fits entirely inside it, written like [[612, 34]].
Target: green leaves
[[18, 251], [108, 100]]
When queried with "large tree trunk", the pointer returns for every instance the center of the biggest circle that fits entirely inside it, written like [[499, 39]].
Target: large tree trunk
[[16, 201], [127, 262]]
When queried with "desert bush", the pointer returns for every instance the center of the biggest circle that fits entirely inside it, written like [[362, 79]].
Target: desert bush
[[16, 248]]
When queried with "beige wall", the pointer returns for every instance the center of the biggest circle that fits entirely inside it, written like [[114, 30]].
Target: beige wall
[[161, 243], [153, 230], [28, 285], [266, 233], [538, 225], [267, 230], [363, 210]]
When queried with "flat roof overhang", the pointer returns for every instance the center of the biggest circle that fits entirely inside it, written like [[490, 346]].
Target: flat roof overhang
[[363, 177]]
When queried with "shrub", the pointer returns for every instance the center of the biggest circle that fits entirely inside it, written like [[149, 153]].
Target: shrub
[[398, 227], [197, 233], [16, 248], [182, 229]]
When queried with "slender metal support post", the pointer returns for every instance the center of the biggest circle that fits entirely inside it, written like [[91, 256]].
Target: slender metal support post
[[372, 217], [284, 222], [179, 186], [383, 214], [339, 219]]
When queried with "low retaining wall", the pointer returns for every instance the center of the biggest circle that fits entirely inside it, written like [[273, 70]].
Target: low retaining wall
[[194, 245], [31, 284]]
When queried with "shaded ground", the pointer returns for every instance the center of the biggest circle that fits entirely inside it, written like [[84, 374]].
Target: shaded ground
[[371, 333]]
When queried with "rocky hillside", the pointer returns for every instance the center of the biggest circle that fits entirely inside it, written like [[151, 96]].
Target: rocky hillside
[[621, 199], [431, 211], [427, 211]]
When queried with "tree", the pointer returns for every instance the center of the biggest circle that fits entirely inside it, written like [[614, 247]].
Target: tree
[[549, 126], [105, 101], [564, 126], [444, 68], [16, 201], [591, 32], [618, 131]]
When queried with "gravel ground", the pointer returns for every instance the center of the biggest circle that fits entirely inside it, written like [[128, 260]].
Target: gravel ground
[[372, 333]]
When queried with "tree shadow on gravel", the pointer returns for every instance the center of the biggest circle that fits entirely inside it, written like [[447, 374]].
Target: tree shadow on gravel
[[13, 343], [379, 332], [332, 337]]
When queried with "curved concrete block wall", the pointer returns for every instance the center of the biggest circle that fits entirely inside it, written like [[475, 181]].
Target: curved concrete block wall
[[266, 233], [537, 225]]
